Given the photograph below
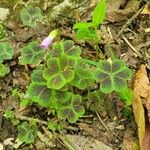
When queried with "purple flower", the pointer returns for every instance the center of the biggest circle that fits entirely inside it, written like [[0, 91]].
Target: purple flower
[[48, 40]]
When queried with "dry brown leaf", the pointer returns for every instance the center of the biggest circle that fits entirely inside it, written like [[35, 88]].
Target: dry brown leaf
[[146, 140], [146, 10], [141, 100], [114, 14], [141, 82], [139, 115], [86, 143]]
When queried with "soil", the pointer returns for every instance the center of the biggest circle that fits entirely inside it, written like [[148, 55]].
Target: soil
[[110, 126]]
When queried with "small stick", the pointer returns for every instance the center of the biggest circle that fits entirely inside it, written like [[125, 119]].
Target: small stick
[[20, 117], [101, 121], [132, 47], [129, 22], [146, 44]]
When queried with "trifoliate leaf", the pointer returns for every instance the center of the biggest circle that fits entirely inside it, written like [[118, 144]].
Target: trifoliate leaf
[[6, 51], [27, 132], [31, 15], [4, 70], [71, 108], [38, 90], [31, 54]]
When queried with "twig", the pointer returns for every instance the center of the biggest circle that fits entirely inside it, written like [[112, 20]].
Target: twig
[[72, 128], [146, 44], [147, 30], [101, 121], [67, 143], [20, 117], [129, 22], [132, 47]]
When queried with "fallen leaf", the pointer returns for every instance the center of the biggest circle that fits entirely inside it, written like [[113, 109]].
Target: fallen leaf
[[84, 143], [141, 101], [91, 131], [141, 82], [139, 115], [146, 10], [142, 87], [115, 14], [146, 140]]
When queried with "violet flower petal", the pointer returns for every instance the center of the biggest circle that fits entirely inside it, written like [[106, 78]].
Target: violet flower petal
[[46, 42]]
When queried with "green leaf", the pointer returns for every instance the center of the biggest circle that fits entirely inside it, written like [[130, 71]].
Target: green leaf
[[54, 126], [27, 132], [97, 101], [70, 108], [10, 115], [112, 75], [30, 16], [83, 25], [31, 54], [59, 72], [24, 102], [65, 50], [99, 13], [56, 51], [70, 49], [84, 77], [38, 90], [87, 34], [4, 70], [6, 51], [126, 95], [2, 31]]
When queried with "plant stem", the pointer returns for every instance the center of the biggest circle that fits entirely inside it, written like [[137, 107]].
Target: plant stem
[[89, 61], [20, 117], [97, 50]]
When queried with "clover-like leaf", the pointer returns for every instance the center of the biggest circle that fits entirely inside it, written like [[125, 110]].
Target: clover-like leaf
[[71, 108], [6, 51], [65, 47], [70, 49], [100, 102], [38, 90], [4, 70], [97, 101], [31, 15], [59, 72], [84, 77], [2, 31], [31, 54], [112, 75], [126, 95], [27, 132]]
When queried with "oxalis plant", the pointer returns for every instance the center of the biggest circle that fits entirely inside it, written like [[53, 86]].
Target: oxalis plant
[[53, 83], [62, 74]]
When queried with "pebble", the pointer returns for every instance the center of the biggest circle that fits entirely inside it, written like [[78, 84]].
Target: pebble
[[120, 127], [1, 146]]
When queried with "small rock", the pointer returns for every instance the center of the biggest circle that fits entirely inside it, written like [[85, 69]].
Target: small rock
[[111, 125], [120, 127], [116, 141], [1, 146], [3, 13]]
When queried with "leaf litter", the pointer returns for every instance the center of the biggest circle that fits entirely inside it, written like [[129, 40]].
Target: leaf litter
[[141, 106]]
